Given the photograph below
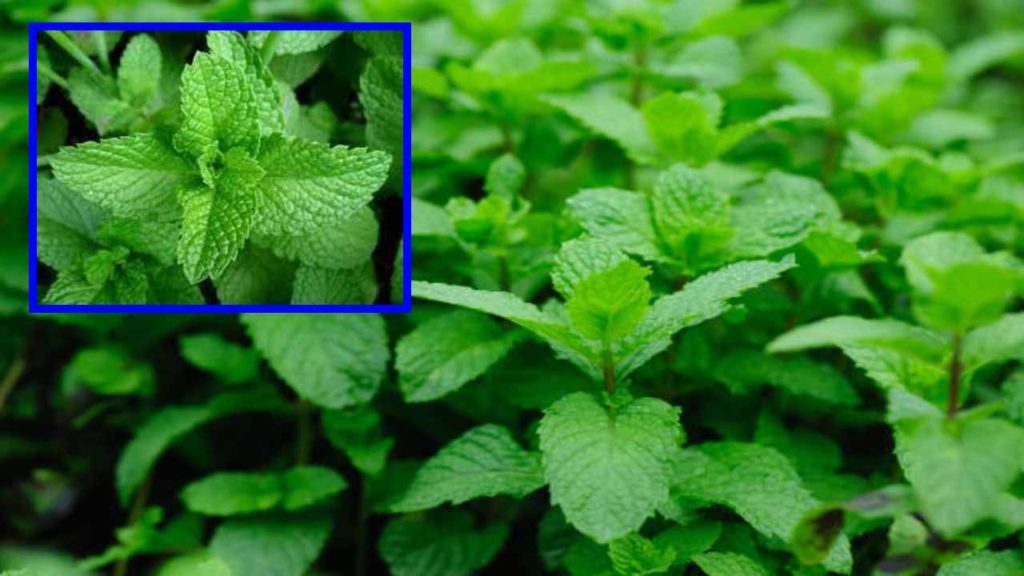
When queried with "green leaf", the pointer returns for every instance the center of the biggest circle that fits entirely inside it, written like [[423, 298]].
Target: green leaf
[[618, 216], [109, 370], [357, 432], [314, 285], [445, 353], [380, 93], [332, 360], [1005, 563], [958, 469], [692, 215], [66, 225], [345, 243], [997, 342], [611, 117], [309, 185], [276, 544], [154, 236], [232, 493], [219, 108], [505, 176], [231, 46], [228, 361], [255, 277], [608, 305], [580, 258], [216, 223], [485, 461], [293, 41], [131, 175], [608, 467], [444, 544], [505, 305], [96, 97], [165, 427], [682, 128], [306, 485], [195, 565], [980, 53], [851, 331], [799, 376], [759, 484], [634, 555], [706, 297], [138, 74], [729, 564]]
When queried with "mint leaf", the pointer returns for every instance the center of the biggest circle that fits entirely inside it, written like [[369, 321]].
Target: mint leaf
[[608, 305], [219, 108], [759, 484], [310, 185], [704, 298], [255, 277], [443, 544], [342, 244], [608, 467], [131, 175], [276, 544], [580, 258], [636, 555], [729, 564], [226, 360], [381, 90], [444, 353], [231, 493], [231, 46], [216, 224], [483, 462], [357, 432], [997, 342], [331, 360], [618, 216], [293, 41], [692, 215], [1005, 563], [850, 331], [610, 117], [97, 98], [958, 470], [138, 75], [314, 285]]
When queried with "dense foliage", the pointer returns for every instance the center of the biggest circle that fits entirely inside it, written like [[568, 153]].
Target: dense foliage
[[213, 170], [712, 288]]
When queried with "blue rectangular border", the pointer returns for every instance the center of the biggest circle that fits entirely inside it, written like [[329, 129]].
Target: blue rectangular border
[[406, 306]]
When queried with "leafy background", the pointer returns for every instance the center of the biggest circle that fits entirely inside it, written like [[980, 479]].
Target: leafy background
[[436, 443]]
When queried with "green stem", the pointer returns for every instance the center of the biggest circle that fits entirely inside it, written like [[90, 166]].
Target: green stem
[[138, 507], [304, 434], [69, 46], [636, 97], [269, 44], [11, 377], [504, 276], [955, 375], [101, 46], [830, 154], [609, 370], [53, 76]]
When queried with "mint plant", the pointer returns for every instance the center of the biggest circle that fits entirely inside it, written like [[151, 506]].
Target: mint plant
[[700, 288], [237, 166]]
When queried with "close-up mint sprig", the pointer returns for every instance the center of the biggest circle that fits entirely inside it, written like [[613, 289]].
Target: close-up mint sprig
[[195, 190]]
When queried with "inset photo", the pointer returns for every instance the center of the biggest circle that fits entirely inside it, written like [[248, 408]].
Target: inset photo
[[219, 168]]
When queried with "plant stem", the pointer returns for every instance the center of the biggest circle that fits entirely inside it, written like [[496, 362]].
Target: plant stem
[[609, 370], [955, 372], [49, 73], [101, 47], [504, 276], [138, 506], [636, 97], [69, 46], [304, 434], [829, 154], [14, 372], [267, 50]]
